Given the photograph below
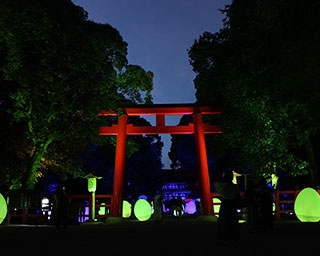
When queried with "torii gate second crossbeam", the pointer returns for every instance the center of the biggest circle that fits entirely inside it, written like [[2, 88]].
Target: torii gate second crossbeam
[[198, 128]]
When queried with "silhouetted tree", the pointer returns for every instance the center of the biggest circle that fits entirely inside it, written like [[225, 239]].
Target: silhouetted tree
[[263, 68], [57, 71]]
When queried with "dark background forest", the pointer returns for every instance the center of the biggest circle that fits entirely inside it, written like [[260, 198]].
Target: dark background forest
[[58, 70]]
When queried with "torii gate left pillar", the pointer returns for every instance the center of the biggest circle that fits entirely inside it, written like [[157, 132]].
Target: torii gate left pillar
[[198, 128]]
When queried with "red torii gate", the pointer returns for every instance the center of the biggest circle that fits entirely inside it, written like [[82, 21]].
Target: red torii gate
[[198, 128]]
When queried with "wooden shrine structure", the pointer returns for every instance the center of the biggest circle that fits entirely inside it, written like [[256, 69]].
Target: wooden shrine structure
[[160, 111]]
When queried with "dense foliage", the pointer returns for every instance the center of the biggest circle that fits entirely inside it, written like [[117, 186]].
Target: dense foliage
[[57, 71], [263, 68]]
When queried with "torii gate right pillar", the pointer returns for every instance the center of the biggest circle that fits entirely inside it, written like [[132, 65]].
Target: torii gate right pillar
[[207, 208]]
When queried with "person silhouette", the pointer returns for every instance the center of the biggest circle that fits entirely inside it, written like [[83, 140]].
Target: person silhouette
[[177, 206], [61, 205], [158, 211], [253, 205], [228, 220], [266, 207]]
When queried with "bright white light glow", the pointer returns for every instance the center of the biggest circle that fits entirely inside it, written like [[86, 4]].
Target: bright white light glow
[[3, 208]]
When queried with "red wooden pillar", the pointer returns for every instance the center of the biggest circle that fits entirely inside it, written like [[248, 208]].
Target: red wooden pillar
[[116, 201], [202, 161]]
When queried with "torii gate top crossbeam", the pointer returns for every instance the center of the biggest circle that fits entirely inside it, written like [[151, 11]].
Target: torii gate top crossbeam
[[166, 109], [160, 111]]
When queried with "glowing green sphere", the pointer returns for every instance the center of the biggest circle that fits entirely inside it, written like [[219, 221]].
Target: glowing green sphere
[[307, 205], [102, 209], [142, 210], [216, 205], [126, 209], [3, 208]]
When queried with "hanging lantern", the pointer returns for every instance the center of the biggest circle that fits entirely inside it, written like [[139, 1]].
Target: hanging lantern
[[92, 184], [92, 187]]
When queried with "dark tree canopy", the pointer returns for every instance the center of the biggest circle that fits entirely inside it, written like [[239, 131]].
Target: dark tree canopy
[[57, 71], [263, 68]]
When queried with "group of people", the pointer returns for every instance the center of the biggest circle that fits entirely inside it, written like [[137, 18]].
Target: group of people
[[259, 203], [228, 220], [177, 206]]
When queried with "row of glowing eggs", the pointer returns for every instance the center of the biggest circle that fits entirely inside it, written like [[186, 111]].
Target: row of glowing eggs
[[306, 207]]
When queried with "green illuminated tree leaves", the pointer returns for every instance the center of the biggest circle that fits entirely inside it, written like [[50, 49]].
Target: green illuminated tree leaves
[[263, 68], [57, 71]]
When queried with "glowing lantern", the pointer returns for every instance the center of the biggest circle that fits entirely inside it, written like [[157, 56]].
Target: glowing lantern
[[307, 205], [92, 184], [92, 187], [3, 208], [142, 210]]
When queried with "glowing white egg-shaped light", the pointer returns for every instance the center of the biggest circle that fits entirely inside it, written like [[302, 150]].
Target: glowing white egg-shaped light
[[3, 208], [191, 206], [126, 209], [142, 210], [216, 205], [307, 205], [143, 197]]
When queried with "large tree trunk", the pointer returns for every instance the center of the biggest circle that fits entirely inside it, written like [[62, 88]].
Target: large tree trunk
[[29, 180]]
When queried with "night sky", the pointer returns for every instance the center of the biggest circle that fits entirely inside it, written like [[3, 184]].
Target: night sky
[[158, 34]]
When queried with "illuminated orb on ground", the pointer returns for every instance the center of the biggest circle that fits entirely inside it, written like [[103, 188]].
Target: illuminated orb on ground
[[216, 205], [307, 205], [3, 208], [142, 210], [126, 209], [191, 206], [102, 209], [143, 197]]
